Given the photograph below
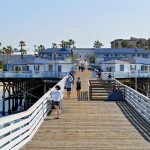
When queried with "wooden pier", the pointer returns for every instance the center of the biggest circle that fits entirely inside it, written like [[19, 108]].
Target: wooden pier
[[23, 92], [91, 125]]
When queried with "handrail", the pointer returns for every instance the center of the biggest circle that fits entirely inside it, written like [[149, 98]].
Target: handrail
[[139, 102], [16, 130], [129, 74], [30, 74]]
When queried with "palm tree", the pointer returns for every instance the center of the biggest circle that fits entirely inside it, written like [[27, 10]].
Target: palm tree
[[124, 44], [6, 51], [130, 46], [71, 42], [21, 44], [63, 44], [41, 47], [98, 44], [15, 50], [3, 51], [9, 51], [54, 45], [24, 51], [139, 44]]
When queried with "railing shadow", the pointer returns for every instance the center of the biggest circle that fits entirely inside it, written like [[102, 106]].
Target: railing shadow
[[135, 119]]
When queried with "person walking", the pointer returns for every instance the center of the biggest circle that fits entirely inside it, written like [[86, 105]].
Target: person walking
[[109, 78], [78, 88], [79, 68], [56, 95], [68, 85]]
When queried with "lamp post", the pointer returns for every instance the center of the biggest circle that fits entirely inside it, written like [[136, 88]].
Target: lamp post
[[135, 70]]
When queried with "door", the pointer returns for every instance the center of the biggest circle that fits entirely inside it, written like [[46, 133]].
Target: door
[[59, 71], [59, 68]]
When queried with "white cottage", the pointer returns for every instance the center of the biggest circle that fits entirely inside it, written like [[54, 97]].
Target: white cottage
[[38, 67], [127, 68]]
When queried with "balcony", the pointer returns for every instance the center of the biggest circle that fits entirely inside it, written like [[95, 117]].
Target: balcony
[[29, 74]]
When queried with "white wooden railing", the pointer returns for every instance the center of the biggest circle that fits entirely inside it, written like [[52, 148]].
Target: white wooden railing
[[34, 74], [16, 130], [139, 102], [132, 74]]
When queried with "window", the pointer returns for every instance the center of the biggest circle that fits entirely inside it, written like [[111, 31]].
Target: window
[[50, 55], [24, 68], [131, 67], [27, 68], [121, 67], [145, 68], [36, 68], [145, 55], [142, 68], [50, 67], [41, 55], [12, 68], [44, 56]]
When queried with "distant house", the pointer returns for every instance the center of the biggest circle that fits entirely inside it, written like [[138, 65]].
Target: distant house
[[56, 54], [120, 53], [143, 43], [83, 52], [39, 67], [115, 66], [136, 66]]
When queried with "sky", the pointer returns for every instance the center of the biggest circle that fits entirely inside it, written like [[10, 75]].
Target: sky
[[50, 21]]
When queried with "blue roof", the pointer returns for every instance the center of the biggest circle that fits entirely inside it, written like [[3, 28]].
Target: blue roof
[[140, 60], [112, 58], [56, 50], [29, 60], [121, 51]]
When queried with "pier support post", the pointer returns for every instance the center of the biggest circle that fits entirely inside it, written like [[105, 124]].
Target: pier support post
[[16, 98], [20, 87], [44, 87], [3, 112], [13, 93], [9, 99]]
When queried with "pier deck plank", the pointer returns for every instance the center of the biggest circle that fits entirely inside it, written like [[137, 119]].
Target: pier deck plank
[[87, 125]]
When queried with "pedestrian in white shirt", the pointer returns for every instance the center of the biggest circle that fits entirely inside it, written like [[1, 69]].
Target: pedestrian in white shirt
[[56, 95]]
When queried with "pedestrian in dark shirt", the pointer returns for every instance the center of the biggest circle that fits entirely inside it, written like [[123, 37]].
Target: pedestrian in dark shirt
[[109, 78], [79, 68], [78, 87]]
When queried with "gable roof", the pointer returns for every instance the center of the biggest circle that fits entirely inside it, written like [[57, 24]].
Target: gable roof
[[115, 62], [140, 60], [56, 50], [29, 60]]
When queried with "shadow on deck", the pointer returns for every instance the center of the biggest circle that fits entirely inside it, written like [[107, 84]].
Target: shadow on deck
[[137, 121]]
